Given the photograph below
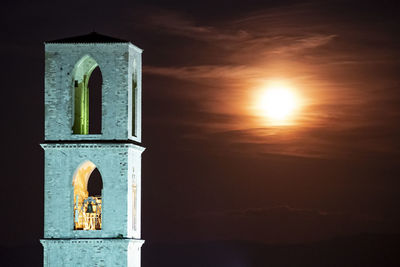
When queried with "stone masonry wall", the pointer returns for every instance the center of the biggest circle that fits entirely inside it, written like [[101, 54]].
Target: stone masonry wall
[[116, 164], [92, 253], [117, 62]]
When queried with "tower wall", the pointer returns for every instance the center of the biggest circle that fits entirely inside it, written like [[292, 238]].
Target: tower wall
[[92, 252], [82, 229], [119, 64], [119, 166]]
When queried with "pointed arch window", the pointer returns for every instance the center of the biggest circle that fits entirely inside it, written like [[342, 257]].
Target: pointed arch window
[[88, 185], [87, 82]]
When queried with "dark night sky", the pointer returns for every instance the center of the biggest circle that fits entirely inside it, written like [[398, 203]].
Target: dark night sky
[[213, 169]]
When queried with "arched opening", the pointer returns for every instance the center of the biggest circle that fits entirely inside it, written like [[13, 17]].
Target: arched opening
[[88, 185], [87, 102]]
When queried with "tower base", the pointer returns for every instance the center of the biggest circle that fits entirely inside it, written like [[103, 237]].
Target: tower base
[[91, 252]]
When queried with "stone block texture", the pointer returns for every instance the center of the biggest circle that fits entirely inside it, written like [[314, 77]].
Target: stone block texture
[[120, 168], [115, 152], [92, 252], [120, 65]]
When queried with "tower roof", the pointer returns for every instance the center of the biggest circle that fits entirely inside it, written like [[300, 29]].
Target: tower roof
[[92, 37]]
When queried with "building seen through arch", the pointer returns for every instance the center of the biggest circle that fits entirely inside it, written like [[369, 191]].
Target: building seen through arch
[[87, 203]]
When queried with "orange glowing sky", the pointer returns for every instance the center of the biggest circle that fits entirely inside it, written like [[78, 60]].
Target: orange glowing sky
[[333, 85]]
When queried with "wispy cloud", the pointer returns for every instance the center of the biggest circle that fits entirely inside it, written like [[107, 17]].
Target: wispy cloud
[[242, 37], [176, 24], [194, 73], [331, 68]]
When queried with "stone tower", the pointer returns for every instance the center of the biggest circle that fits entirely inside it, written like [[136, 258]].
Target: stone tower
[[92, 164]]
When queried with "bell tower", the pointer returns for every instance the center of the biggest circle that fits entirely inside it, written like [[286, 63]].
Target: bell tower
[[92, 152]]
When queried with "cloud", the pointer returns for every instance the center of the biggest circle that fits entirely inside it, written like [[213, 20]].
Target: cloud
[[298, 44], [315, 142], [176, 24], [194, 73], [240, 37], [349, 88]]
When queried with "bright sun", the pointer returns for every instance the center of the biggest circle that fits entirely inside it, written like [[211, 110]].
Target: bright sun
[[277, 103]]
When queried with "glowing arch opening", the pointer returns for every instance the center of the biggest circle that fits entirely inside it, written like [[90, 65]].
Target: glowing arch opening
[[87, 207]]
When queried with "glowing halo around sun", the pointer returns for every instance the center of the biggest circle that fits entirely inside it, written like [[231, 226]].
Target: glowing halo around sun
[[278, 103]]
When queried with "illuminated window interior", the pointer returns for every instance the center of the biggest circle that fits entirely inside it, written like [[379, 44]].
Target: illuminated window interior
[[87, 103], [88, 186]]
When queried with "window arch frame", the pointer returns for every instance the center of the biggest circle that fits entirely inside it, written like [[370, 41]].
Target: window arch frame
[[81, 199], [81, 74]]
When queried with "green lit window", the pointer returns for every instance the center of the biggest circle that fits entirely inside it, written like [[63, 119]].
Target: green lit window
[[87, 102]]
